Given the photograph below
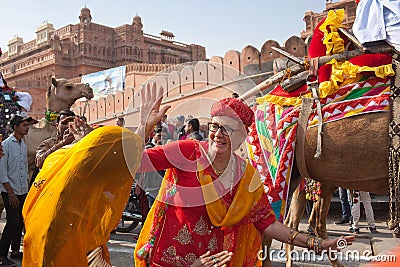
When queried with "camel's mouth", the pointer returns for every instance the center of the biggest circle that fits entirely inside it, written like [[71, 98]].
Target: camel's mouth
[[89, 94]]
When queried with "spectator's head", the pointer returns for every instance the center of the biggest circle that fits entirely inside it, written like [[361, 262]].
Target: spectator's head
[[64, 114], [192, 125], [235, 95], [180, 120], [63, 119], [160, 135], [20, 125], [157, 135], [120, 122], [164, 118]]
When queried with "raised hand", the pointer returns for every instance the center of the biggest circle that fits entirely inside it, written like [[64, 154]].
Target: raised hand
[[150, 112], [68, 137], [79, 128]]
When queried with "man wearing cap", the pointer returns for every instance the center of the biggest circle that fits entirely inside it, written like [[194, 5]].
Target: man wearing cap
[[14, 187]]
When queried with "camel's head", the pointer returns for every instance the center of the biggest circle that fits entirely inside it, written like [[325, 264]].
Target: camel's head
[[61, 90]]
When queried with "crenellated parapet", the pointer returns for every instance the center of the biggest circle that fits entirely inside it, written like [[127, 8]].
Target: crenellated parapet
[[146, 67], [215, 78], [218, 77]]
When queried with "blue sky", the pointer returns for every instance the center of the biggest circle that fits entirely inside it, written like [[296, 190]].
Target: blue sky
[[219, 25]]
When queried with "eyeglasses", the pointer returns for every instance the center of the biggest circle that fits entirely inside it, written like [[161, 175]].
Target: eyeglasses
[[213, 127]]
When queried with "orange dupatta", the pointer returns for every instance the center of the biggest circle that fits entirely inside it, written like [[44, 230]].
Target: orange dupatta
[[242, 238]]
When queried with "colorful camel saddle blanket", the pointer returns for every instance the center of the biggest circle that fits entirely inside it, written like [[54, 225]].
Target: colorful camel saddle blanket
[[271, 140]]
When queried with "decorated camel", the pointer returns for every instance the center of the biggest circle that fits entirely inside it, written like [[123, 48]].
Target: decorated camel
[[340, 121], [61, 95]]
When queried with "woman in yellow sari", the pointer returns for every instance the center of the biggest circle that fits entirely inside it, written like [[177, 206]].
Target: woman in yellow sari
[[211, 209], [78, 197]]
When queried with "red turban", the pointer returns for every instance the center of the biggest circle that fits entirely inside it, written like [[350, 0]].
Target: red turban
[[233, 108]]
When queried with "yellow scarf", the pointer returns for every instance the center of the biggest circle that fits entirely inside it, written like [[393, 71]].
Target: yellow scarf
[[246, 236], [79, 196], [248, 239]]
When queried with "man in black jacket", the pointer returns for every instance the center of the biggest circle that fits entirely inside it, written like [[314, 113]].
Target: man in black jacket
[[192, 129]]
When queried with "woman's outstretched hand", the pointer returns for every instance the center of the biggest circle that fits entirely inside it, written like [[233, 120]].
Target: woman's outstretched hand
[[150, 112], [218, 259], [338, 243]]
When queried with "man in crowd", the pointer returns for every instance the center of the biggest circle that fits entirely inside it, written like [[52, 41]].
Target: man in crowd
[[150, 182], [179, 127], [192, 129], [359, 196], [62, 138], [346, 210], [14, 187]]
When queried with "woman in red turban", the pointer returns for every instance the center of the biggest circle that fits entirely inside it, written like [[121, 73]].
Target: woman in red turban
[[211, 209]]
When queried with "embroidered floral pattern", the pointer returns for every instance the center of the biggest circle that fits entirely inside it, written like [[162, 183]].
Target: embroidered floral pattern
[[170, 257], [201, 227], [190, 258], [184, 237], [213, 243]]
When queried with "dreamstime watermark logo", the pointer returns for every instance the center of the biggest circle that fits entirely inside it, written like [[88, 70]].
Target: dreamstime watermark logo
[[331, 254], [341, 243]]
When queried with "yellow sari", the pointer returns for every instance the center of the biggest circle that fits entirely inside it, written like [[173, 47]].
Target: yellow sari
[[78, 198]]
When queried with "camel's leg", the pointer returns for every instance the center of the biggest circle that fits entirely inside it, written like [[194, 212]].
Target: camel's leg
[[320, 211], [295, 213], [319, 215], [267, 241]]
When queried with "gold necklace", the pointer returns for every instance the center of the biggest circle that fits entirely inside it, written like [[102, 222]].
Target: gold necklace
[[217, 172]]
